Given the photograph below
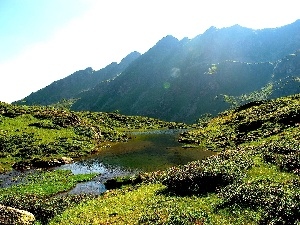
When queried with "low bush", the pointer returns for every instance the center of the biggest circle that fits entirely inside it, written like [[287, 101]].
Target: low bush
[[280, 203], [46, 124], [290, 162], [285, 154], [118, 182], [205, 176]]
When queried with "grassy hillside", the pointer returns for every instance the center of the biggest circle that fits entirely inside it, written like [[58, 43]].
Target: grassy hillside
[[40, 137], [253, 180], [32, 136]]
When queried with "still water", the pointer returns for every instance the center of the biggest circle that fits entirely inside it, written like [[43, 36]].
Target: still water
[[145, 151]]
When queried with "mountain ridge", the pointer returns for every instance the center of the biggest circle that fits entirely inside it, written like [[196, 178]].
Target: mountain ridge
[[178, 80], [80, 81]]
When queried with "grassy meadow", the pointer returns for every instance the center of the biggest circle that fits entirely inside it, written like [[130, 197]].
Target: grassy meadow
[[254, 178]]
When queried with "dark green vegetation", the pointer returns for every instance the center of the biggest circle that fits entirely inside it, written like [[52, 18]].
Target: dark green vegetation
[[32, 136], [180, 80], [253, 180], [255, 121]]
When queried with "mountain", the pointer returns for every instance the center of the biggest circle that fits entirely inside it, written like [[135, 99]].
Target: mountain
[[179, 80], [80, 81]]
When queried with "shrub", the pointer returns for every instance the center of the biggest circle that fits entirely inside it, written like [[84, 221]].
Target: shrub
[[280, 203], [290, 162], [205, 176], [46, 124], [285, 154]]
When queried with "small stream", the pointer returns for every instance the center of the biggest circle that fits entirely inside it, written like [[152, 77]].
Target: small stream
[[145, 151]]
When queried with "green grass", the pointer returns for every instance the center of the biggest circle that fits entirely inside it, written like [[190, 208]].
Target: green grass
[[21, 140], [46, 183], [21, 124], [266, 193], [38, 194], [264, 171], [260, 189], [149, 205], [29, 132], [6, 163]]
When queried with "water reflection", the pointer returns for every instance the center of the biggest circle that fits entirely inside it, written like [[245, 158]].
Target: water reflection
[[146, 151], [14, 177], [95, 186]]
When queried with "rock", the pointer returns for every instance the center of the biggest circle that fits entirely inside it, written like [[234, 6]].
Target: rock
[[23, 165], [66, 160], [120, 181], [12, 216], [41, 163]]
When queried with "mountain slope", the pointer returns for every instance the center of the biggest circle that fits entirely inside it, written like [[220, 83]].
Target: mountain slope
[[180, 80], [82, 80], [245, 44]]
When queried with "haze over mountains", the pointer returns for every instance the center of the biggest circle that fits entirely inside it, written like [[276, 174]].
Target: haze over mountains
[[178, 80]]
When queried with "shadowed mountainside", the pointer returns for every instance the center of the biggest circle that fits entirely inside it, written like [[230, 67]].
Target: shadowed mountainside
[[80, 81], [178, 80]]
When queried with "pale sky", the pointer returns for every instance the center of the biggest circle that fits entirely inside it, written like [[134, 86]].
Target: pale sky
[[42, 41]]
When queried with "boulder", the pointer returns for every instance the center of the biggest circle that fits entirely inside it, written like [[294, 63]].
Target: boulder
[[66, 160], [12, 216], [41, 163]]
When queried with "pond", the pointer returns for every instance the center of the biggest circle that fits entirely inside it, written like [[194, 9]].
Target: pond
[[145, 151]]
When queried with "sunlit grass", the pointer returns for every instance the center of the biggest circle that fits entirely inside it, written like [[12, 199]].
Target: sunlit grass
[[148, 205], [259, 194], [40, 194], [264, 171], [6, 163], [21, 124], [46, 183]]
